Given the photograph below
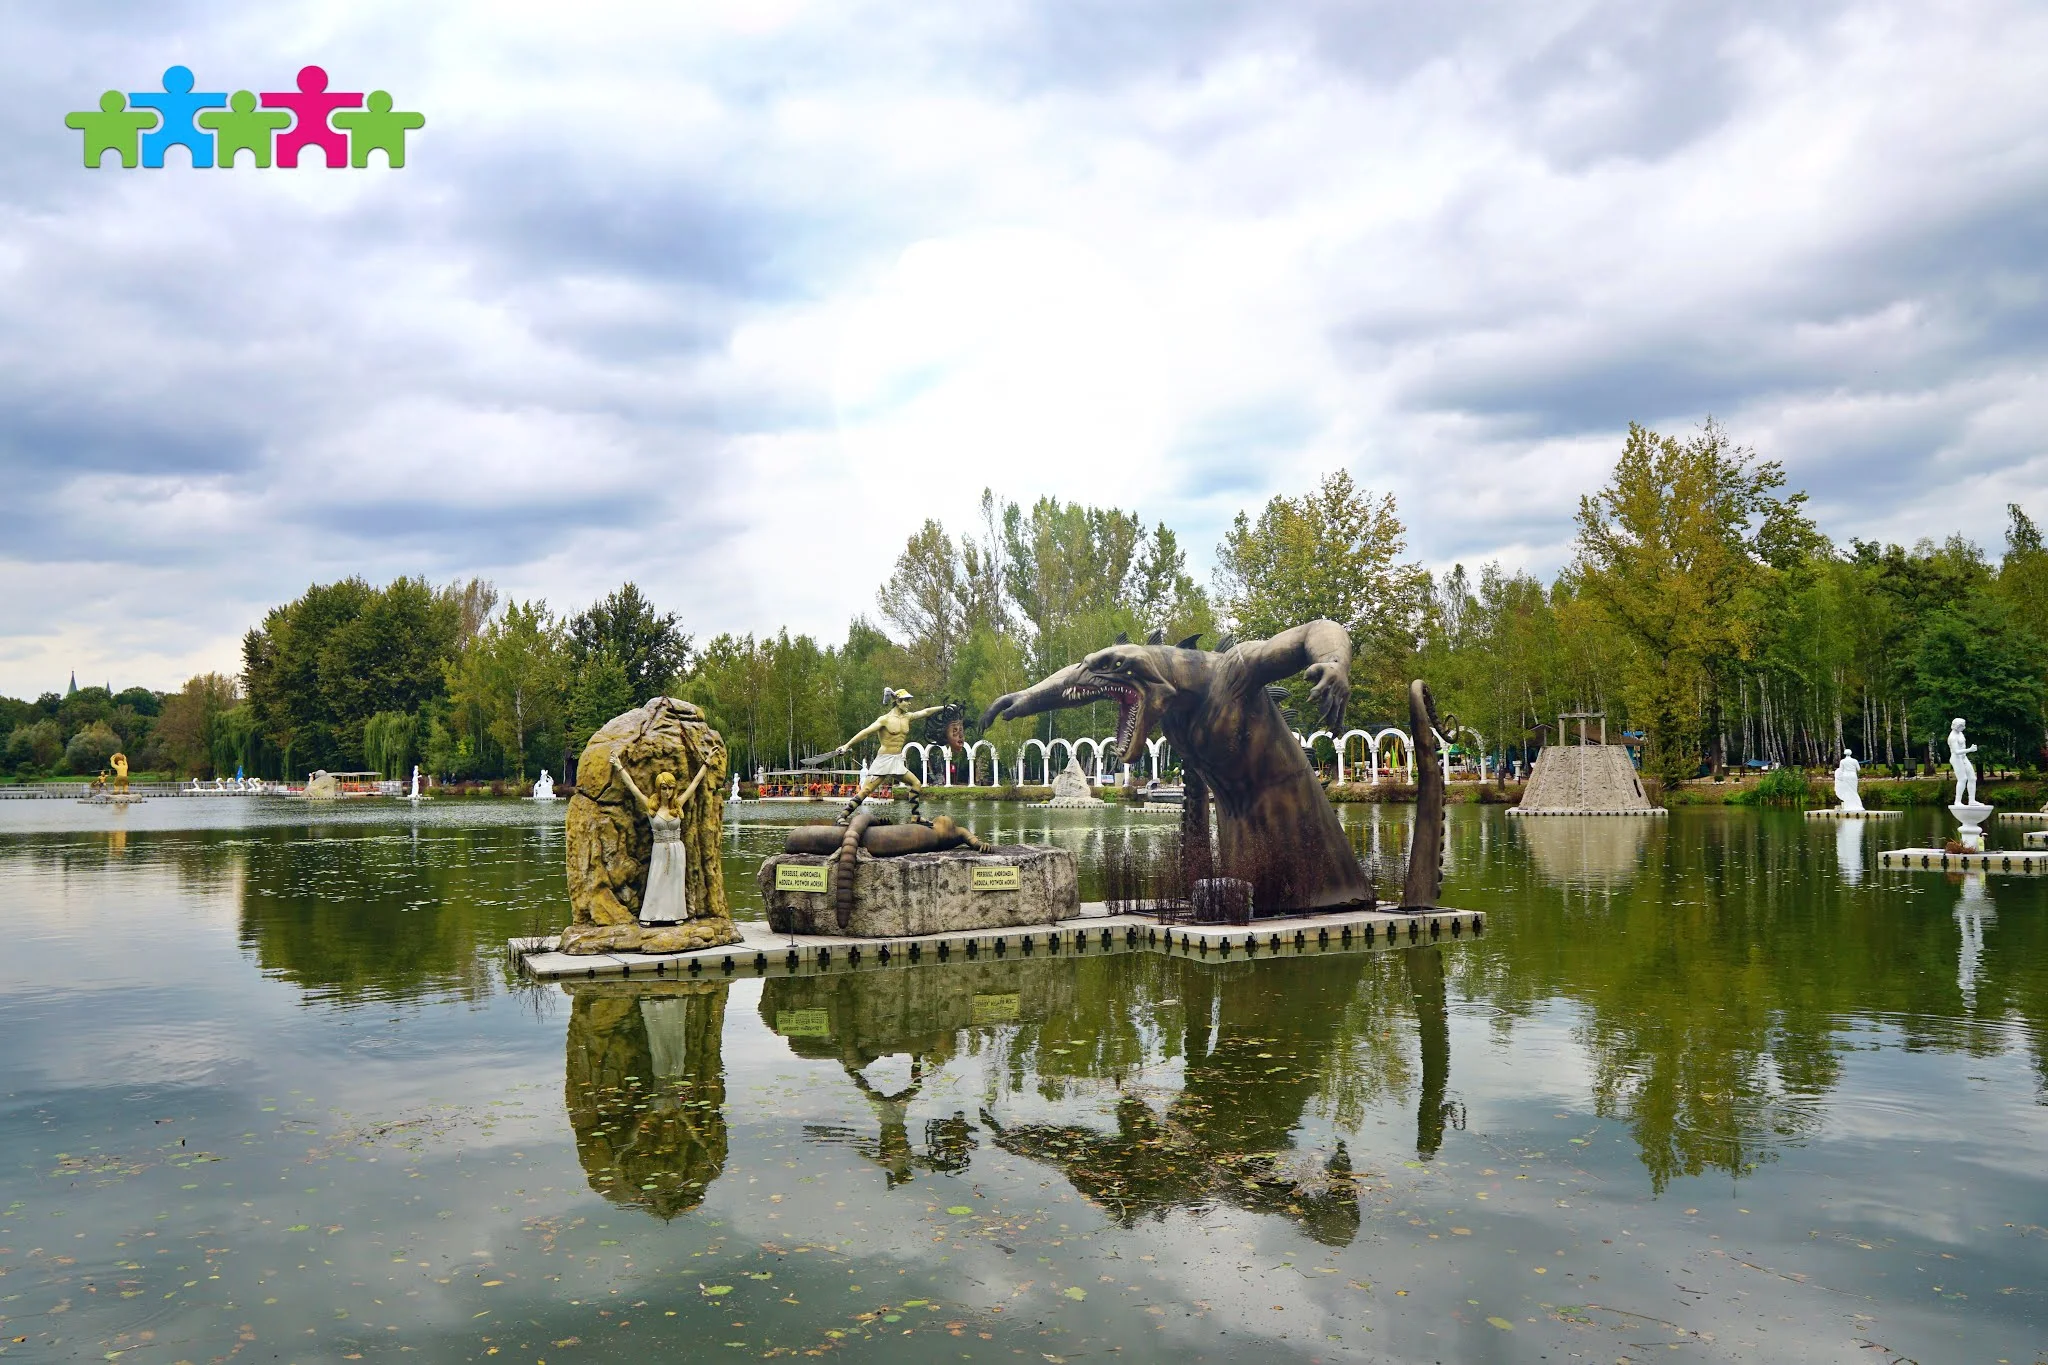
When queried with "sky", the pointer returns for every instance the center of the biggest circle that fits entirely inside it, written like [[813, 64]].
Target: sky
[[728, 298]]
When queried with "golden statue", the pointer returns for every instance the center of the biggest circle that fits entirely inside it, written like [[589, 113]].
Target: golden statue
[[120, 762], [893, 726]]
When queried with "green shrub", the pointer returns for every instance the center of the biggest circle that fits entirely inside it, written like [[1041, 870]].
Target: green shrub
[[1778, 787]]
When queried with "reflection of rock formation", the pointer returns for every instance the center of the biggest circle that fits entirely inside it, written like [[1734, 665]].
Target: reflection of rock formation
[[1591, 853], [1849, 851], [645, 1090], [1973, 912]]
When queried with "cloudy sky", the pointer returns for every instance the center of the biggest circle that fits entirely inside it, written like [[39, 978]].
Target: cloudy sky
[[727, 297]]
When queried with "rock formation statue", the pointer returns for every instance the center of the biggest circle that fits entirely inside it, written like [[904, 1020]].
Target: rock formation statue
[[1959, 759], [1277, 830], [893, 728], [1846, 774], [1070, 787], [644, 1085], [613, 839]]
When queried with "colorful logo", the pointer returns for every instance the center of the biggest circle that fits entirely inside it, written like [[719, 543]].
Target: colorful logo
[[214, 127]]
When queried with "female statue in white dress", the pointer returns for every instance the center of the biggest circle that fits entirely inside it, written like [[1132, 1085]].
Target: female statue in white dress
[[1845, 781], [665, 900]]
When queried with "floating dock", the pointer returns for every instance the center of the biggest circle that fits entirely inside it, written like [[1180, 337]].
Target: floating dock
[[1990, 860], [1094, 932], [1837, 813]]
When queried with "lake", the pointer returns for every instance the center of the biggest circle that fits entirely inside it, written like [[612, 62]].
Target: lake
[[269, 1090]]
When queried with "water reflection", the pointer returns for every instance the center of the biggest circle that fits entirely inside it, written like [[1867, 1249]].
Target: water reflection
[[1587, 852], [1242, 1084], [644, 1083], [1849, 851], [1973, 914]]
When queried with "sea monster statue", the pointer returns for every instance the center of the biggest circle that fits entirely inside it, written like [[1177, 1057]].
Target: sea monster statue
[[1275, 827]]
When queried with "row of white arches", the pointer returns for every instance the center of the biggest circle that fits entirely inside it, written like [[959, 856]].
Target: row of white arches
[[1387, 750]]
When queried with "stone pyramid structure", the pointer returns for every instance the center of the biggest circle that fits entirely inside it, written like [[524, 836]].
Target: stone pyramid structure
[[1585, 779]]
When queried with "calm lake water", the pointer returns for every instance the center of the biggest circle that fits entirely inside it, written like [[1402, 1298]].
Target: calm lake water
[[269, 1092]]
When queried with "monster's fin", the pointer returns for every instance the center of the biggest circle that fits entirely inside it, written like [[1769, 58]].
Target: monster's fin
[[1157, 637], [1192, 642]]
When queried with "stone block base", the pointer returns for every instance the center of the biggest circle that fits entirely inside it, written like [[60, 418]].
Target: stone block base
[[929, 893], [691, 934]]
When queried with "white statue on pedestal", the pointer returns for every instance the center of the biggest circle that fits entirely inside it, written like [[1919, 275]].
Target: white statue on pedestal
[[1959, 759], [1846, 774], [544, 790], [735, 788], [415, 783], [1969, 812]]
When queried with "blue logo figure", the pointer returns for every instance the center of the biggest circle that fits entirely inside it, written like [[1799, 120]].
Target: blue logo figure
[[178, 104]]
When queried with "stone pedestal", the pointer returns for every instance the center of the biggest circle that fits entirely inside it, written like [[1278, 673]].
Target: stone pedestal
[[930, 893], [1971, 816]]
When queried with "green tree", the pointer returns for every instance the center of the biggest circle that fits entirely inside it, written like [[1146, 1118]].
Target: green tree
[[925, 598], [1667, 550], [1335, 553], [87, 751], [649, 645], [514, 678], [1975, 661], [318, 668], [189, 719]]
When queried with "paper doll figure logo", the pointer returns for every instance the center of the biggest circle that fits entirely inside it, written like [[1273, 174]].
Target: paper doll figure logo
[[215, 128]]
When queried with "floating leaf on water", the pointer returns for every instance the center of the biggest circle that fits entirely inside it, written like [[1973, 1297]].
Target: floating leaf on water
[[713, 1291], [1076, 1292], [1501, 1323]]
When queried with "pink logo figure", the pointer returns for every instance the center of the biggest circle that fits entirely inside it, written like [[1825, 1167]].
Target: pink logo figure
[[312, 104]]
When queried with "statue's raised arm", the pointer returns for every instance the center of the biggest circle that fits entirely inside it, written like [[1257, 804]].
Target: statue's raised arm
[[1321, 650]]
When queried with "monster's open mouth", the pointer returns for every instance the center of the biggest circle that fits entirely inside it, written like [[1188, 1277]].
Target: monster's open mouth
[[1131, 720]]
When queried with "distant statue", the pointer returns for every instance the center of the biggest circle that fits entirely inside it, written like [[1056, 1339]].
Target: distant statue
[[665, 900], [1959, 759], [735, 788], [120, 764], [1846, 773], [415, 782], [893, 728], [544, 789]]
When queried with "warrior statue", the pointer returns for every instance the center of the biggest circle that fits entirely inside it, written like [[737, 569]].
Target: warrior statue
[[893, 727], [1276, 829]]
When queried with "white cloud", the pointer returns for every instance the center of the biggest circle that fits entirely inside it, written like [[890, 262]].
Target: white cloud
[[662, 291]]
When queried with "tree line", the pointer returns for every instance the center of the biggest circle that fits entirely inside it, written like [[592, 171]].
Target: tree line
[[1703, 609]]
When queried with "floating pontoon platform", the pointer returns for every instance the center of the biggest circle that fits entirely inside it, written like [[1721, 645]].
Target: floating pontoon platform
[[1095, 931], [1990, 860], [1837, 813]]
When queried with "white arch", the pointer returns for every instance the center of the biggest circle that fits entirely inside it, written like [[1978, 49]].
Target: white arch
[[1310, 745], [1444, 742], [923, 766], [1057, 744], [1118, 770], [1044, 762], [995, 763], [1155, 750], [1407, 748], [1345, 743], [1093, 767]]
